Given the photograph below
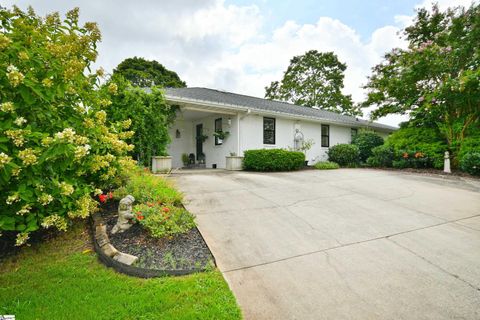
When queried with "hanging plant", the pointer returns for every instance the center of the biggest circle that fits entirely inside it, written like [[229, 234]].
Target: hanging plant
[[202, 137], [222, 135]]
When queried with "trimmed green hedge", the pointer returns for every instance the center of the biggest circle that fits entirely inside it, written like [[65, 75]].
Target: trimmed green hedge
[[346, 155], [366, 141], [471, 163], [273, 160]]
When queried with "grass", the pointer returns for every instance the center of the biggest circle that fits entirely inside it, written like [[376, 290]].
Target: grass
[[326, 165], [145, 187], [62, 279]]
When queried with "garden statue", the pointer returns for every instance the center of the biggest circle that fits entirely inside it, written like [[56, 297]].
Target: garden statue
[[446, 164], [125, 215]]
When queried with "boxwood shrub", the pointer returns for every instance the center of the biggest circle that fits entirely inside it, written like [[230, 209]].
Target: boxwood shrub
[[366, 141], [382, 156], [346, 155], [471, 163], [273, 160]]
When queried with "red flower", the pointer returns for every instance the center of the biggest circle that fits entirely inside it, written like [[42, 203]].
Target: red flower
[[405, 155], [166, 210], [140, 217], [419, 155], [150, 204], [103, 198], [110, 195]]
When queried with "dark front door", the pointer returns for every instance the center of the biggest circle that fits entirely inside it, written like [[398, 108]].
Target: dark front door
[[199, 140]]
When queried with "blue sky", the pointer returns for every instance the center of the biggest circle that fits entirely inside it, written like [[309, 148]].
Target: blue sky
[[363, 16]]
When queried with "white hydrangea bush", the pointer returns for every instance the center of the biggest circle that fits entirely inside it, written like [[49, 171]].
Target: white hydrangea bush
[[57, 148]]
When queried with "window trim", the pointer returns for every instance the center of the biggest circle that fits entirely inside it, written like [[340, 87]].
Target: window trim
[[217, 140], [327, 135], [274, 130]]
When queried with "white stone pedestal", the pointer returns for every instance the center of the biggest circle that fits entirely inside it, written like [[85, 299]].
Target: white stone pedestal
[[234, 163]]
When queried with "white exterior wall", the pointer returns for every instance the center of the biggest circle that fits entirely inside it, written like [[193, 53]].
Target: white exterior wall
[[251, 137], [251, 130], [184, 144]]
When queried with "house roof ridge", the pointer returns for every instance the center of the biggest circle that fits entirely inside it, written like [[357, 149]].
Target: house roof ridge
[[263, 104]]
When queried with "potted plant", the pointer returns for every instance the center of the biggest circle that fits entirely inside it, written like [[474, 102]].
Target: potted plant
[[307, 145], [234, 162], [221, 135], [202, 138], [162, 164], [185, 159]]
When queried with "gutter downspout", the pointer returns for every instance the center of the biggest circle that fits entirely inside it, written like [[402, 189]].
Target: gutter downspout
[[238, 134]]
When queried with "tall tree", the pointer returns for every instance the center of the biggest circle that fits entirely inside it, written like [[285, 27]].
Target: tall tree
[[314, 79], [437, 79], [146, 73], [149, 113]]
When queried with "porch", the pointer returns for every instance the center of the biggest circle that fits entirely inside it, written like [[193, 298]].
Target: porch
[[203, 137]]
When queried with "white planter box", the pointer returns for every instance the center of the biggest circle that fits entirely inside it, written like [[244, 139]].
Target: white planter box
[[161, 164], [234, 163]]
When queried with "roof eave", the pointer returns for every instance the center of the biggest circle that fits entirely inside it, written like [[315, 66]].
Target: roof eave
[[232, 107]]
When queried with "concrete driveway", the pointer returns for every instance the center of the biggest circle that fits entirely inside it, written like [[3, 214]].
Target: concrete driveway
[[342, 244]]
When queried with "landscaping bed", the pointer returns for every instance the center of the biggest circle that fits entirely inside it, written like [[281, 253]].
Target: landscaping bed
[[182, 252], [432, 172]]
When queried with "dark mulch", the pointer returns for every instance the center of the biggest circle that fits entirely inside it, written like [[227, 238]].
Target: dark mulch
[[183, 252], [432, 172]]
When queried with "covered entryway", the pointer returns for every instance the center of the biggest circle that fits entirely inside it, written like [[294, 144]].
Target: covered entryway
[[193, 137]]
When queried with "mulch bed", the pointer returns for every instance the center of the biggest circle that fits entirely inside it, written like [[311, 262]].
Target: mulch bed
[[186, 251], [431, 172]]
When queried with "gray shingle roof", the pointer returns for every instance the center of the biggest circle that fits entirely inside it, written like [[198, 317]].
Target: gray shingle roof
[[270, 106]]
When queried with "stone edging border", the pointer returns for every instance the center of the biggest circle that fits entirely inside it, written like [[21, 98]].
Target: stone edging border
[[123, 262]]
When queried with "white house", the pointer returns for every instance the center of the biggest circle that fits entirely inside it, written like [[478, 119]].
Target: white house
[[252, 123]]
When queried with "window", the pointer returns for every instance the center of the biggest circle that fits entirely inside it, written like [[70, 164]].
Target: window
[[218, 128], [353, 133], [268, 131], [325, 135]]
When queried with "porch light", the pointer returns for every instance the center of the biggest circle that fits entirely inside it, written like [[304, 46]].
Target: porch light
[[229, 121]]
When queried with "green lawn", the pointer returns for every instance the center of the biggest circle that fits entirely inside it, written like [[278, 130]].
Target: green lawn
[[62, 279]]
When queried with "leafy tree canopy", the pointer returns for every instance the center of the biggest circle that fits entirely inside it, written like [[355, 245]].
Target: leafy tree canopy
[[437, 79], [150, 114], [314, 79], [146, 73]]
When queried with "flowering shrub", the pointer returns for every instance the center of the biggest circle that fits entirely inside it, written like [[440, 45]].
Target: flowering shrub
[[413, 159], [56, 146], [163, 220]]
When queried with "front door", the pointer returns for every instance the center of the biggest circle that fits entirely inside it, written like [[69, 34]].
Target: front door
[[199, 140]]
